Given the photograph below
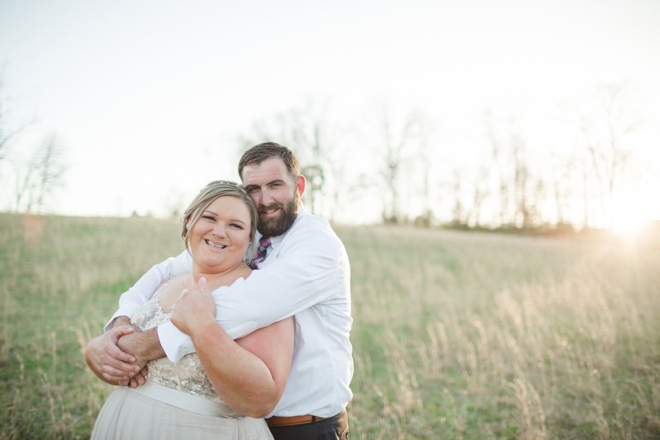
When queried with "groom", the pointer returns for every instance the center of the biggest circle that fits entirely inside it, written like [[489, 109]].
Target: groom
[[305, 274]]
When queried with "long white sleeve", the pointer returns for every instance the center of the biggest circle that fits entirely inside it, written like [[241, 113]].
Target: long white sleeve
[[145, 287], [309, 267]]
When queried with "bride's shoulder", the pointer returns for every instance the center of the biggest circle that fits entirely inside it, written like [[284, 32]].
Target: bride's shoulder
[[172, 285], [178, 279], [242, 271]]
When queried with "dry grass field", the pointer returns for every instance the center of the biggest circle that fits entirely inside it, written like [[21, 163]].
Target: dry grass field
[[456, 335]]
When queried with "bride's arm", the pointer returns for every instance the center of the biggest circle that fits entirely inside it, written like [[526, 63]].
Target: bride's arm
[[249, 374]]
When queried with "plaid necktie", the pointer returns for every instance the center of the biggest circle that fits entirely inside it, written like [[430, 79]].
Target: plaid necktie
[[261, 252]]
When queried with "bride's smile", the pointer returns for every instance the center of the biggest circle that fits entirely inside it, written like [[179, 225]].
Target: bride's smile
[[219, 238]]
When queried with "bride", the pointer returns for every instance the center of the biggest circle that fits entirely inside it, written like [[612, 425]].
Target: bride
[[205, 395]]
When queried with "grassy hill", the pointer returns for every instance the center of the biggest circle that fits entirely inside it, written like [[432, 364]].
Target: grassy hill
[[456, 335]]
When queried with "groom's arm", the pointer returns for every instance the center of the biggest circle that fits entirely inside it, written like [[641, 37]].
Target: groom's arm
[[144, 346], [311, 267], [115, 363], [145, 287]]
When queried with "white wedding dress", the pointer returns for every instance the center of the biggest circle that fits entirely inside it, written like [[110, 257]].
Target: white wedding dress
[[178, 400]]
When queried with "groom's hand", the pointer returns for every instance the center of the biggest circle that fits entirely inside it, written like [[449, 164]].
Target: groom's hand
[[194, 309], [145, 347], [108, 362], [138, 380]]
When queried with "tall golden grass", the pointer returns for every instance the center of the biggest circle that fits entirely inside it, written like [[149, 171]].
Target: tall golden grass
[[456, 335], [489, 336]]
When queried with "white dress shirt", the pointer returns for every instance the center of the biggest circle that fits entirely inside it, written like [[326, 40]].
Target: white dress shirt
[[306, 274]]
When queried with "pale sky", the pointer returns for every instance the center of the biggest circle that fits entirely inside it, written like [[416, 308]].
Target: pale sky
[[149, 97]]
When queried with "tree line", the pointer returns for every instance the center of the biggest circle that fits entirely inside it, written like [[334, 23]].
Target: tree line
[[568, 169], [580, 176]]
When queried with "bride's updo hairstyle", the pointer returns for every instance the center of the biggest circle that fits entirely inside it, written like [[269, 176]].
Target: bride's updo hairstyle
[[212, 191]]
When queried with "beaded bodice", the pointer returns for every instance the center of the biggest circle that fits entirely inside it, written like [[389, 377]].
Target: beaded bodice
[[187, 374]]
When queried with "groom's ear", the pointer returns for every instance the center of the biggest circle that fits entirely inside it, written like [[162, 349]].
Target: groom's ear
[[300, 184]]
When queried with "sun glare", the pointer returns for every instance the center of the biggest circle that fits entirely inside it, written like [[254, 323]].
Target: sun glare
[[628, 218], [628, 224]]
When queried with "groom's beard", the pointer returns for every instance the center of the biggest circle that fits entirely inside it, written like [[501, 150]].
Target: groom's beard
[[275, 226]]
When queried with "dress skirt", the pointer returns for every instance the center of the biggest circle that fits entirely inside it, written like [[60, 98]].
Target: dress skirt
[[155, 412]]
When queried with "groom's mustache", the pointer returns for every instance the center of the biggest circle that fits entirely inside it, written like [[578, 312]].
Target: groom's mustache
[[264, 209]]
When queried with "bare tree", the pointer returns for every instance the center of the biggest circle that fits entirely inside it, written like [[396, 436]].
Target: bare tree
[[606, 121], [426, 141], [521, 182], [307, 130], [517, 184], [458, 215], [311, 136], [561, 170], [397, 141], [498, 166], [40, 176], [8, 132], [480, 194]]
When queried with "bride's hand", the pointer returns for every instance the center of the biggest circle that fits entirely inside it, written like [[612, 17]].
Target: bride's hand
[[194, 309]]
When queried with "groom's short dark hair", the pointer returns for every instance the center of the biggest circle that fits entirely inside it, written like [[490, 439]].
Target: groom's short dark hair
[[266, 150]]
